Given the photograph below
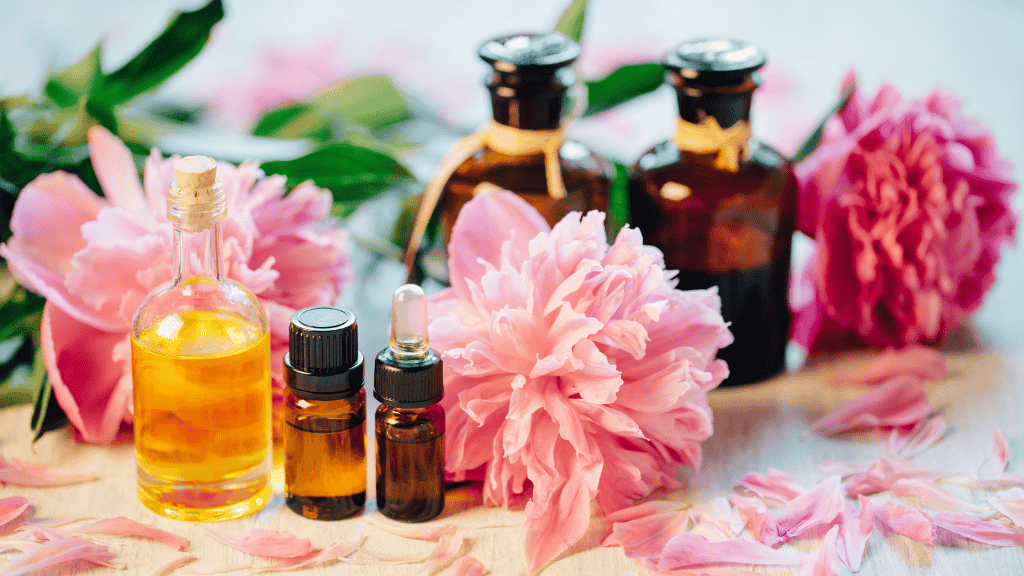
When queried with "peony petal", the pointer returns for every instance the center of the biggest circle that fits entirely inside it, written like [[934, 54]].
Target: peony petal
[[1000, 481], [174, 565], [907, 521], [115, 170], [466, 566], [92, 389], [920, 361], [900, 402], [822, 563], [989, 532], [336, 551], [122, 526], [644, 510], [414, 532], [265, 543], [1011, 508], [777, 485], [854, 530], [688, 550], [1001, 450], [882, 474], [929, 434], [755, 514], [816, 508], [447, 547], [11, 508], [645, 537], [55, 553], [931, 495], [30, 474], [547, 534]]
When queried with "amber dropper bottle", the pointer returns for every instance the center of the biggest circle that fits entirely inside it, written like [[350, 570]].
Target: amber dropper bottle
[[325, 415], [407, 380]]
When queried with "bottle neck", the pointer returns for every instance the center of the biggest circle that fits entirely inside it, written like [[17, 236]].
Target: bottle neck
[[541, 112], [726, 107], [197, 254]]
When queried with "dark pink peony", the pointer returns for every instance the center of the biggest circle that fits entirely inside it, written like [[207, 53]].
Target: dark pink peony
[[574, 370], [909, 204], [95, 259]]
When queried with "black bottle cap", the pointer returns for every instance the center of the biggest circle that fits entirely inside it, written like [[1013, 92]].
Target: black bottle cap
[[408, 384], [714, 62], [323, 356], [530, 77]]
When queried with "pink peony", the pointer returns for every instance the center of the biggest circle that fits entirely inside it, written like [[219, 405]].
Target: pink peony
[[95, 259], [910, 206], [574, 370]]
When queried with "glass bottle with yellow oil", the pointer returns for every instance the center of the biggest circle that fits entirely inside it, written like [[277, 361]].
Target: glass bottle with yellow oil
[[201, 371]]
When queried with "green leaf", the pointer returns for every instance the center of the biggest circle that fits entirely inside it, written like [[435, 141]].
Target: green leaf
[[46, 413], [373, 101], [618, 202], [80, 78], [572, 20], [352, 173], [812, 141], [623, 84], [177, 112], [20, 313], [102, 113], [179, 43], [293, 121]]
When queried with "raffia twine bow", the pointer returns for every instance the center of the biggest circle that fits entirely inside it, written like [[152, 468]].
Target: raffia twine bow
[[500, 138], [708, 137]]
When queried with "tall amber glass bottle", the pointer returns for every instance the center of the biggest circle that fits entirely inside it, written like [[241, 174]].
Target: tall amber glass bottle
[[523, 149], [720, 205], [201, 371]]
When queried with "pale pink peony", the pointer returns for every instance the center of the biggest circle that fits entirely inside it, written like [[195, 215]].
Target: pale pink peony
[[574, 370], [96, 258], [910, 206]]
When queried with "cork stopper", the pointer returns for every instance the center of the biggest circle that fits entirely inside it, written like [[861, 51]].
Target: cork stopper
[[195, 200], [195, 172]]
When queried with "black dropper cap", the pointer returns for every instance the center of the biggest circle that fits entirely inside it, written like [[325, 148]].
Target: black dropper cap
[[408, 373], [323, 359], [530, 77], [715, 77]]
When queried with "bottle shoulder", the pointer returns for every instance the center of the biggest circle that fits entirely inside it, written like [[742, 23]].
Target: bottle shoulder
[[416, 424], [578, 163], [201, 300], [666, 156]]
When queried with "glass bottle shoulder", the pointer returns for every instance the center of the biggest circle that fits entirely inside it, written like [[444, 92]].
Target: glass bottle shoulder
[[765, 171], [410, 425], [224, 313], [526, 173]]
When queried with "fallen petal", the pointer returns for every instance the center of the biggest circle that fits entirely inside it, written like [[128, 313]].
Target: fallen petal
[[884, 473], [777, 485], [1011, 508], [926, 437], [646, 509], [823, 562], [122, 526], [56, 552], [689, 549], [265, 543], [920, 361], [174, 565], [645, 537], [755, 514], [816, 508], [855, 528], [931, 495], [466, 566], [989, 532], [11, 508], [900, 402], [1000, 481], [907, 521], [336, 551], [1001, 450], [32, 475]]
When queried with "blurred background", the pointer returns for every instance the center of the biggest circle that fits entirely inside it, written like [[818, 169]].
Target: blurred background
[[265, 54]]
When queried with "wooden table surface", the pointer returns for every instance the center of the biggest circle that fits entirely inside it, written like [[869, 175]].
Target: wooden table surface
[[755, 427]]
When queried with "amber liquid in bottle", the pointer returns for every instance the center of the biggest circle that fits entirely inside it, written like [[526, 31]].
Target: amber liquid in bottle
[[325, 464], [725, 228], [410, 462]]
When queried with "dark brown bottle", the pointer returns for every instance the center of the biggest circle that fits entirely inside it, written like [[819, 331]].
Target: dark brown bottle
[[407, 380], [528, 84], [721, 207], [325, 415]]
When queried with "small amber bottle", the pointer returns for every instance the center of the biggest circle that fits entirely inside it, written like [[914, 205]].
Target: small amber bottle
[[407, 381], [325, 415], [720, 206], [524, 149]]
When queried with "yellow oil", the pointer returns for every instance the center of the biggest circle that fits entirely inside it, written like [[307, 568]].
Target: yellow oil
[[202, 415]]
